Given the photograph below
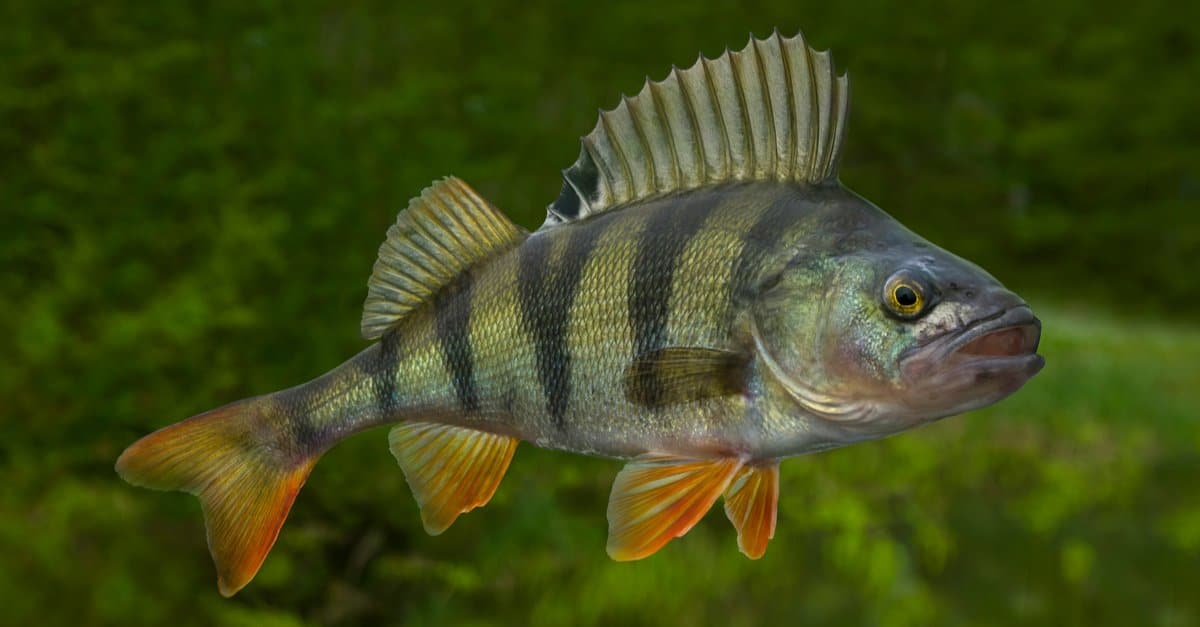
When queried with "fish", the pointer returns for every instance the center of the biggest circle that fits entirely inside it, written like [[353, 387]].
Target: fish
[[704, 299]]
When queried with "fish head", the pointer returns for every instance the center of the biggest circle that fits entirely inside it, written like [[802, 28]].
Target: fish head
[[885, 331]]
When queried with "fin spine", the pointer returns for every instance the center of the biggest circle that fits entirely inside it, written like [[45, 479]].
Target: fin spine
[[772, 141], [793, 114]]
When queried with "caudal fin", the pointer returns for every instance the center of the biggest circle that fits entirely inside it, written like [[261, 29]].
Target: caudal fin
[[237, 462]]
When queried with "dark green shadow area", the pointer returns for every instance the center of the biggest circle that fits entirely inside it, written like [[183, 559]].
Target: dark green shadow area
[[192, 194]]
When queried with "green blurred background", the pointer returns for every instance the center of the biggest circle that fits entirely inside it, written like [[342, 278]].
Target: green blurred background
[[192, 195]]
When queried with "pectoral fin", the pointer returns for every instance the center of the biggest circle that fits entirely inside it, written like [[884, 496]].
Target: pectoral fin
[[680, 374], [451, 470], [751, 501], [659, 497]]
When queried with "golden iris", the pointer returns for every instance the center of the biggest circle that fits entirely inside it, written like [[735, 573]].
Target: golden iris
[[905, 298]]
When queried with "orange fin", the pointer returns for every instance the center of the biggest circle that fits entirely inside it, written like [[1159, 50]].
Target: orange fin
[[659, 497], [246, 486], [750, 503], [451, 470]]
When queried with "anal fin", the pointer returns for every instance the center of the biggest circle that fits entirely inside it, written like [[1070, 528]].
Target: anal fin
[[659, 497], [451, 470], [751, 501]]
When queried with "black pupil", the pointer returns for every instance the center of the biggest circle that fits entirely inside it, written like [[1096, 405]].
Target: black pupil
[[906, 296]]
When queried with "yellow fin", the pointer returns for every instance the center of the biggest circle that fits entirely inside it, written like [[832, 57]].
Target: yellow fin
[[659, 497], [451, 470], [751, 502], [444, 231]]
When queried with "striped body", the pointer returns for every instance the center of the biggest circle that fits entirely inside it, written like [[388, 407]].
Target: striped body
[[536, 342], [704, 299]]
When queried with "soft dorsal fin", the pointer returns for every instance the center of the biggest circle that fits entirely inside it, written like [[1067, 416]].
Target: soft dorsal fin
[[444, 231], [773, 111]]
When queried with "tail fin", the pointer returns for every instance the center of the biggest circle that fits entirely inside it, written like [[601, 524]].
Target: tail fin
[[237, 461]]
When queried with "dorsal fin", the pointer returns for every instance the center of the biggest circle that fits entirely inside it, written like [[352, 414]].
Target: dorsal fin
[[444, 231], [773, 111]]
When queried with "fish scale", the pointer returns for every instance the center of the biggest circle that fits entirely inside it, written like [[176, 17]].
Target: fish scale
[[703, 300]]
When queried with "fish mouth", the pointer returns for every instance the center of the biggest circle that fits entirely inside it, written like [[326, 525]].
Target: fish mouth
[[978, 364], [1011, 336]]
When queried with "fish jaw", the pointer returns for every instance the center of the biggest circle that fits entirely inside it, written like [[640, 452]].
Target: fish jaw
[[974, 366]]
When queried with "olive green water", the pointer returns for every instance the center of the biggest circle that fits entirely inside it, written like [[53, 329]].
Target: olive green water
[[191, 200]]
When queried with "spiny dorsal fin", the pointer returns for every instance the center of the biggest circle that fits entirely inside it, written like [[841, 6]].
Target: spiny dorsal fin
[[444, 231], [774, 111]]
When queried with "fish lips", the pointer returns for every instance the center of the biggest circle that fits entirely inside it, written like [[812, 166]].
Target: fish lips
[[976, 365]]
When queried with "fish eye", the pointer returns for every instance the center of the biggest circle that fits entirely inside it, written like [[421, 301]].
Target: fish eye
[[905, 296]]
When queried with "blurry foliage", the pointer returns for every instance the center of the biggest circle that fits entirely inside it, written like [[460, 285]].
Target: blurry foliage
[[191, 196]]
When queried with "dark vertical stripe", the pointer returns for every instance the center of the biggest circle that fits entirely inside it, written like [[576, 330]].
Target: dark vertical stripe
[[546, 290], [325, 409], [652, 276], [532, 270], [382, 369], [764, 235], [452, 324], [750, 274], [308, 430]]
